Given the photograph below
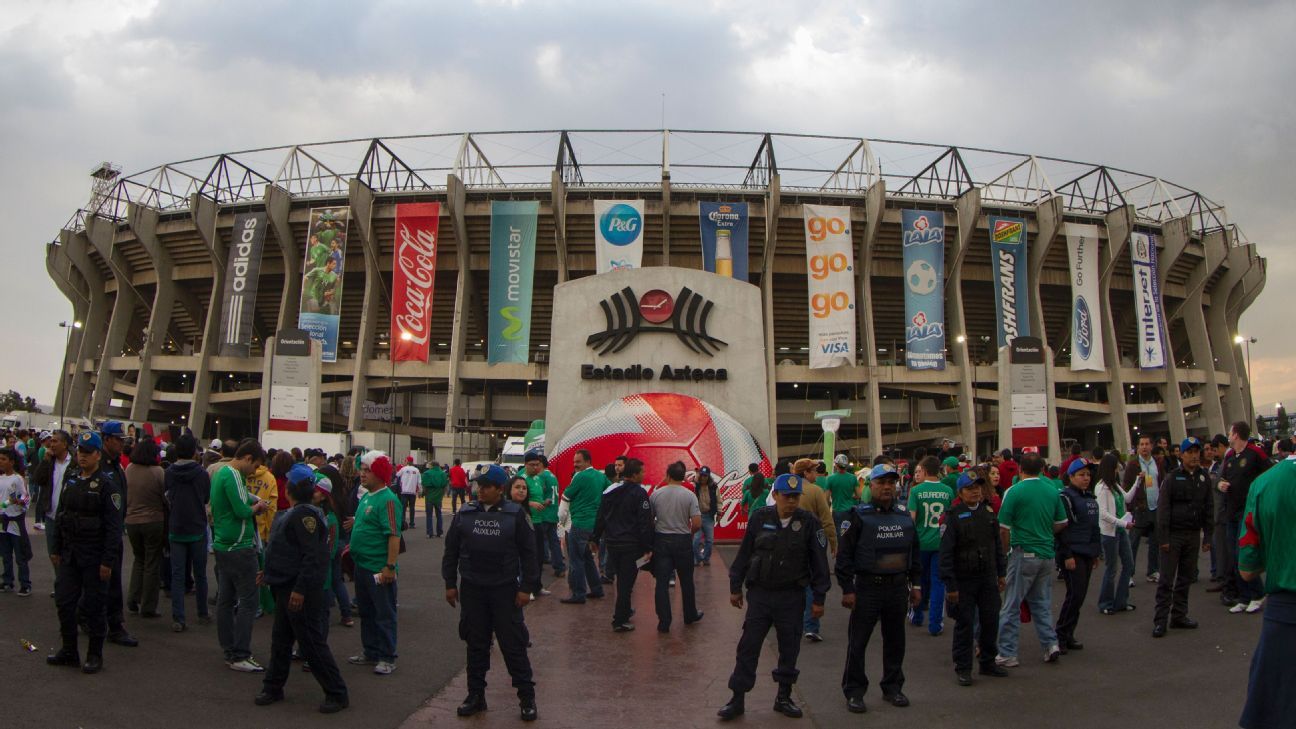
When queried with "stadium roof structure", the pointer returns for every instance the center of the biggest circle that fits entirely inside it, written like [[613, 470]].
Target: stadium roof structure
[[630, 159]]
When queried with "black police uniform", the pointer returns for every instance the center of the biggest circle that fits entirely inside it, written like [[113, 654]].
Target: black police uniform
[[490, 556], [877, 561], [1184, 517], [86, 535], [1081, 540], [297, 561], [776, 563], [114, 603], [971, 563]]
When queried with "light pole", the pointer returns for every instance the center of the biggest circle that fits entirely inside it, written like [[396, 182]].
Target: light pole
[[391, 424], [67, 344], [1247, 342]]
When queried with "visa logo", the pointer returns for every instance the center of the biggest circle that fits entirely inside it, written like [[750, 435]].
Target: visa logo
[[835, 348]]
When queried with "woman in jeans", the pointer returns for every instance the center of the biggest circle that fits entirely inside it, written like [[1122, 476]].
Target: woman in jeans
[[145, 527], [1114, 522], [709, 501]]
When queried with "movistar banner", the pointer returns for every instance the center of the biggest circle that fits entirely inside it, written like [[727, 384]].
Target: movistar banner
[[1147, 302], [923, 237], [1086, 342], [724, 238], [512, 269], [1008, 254]]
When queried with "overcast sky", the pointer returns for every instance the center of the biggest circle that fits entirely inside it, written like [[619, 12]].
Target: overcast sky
[[1197, 93]]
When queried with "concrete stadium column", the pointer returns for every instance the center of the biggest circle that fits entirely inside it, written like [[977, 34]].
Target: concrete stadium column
[[1119, 224], [101, 233], [203, 211], [874, 209], [1215, 248], [77, 248], [456, 199], [362, 202], [558, 201], [773, 200], [278, 205], [1238, 260], [1175, 235], [666, 218], [968, 210], [1243, 294], [143, 223], [1048, 217], [59, 268]]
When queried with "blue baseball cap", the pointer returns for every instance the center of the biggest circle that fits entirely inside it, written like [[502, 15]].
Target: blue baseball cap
[[969, 478], [533, 455], [300, 472], [89, 439], [883, 470], [1190, 442], [788, 484], [492, 475], [1077, 465], [112, 429]]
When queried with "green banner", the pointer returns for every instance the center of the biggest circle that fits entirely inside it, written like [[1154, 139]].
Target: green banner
[[512, 268]]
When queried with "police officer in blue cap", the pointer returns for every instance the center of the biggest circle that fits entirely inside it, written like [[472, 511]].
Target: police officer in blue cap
[[113, 435], [878, 569], [1185, 521], [490, 563], [782, 553], [85, 543]]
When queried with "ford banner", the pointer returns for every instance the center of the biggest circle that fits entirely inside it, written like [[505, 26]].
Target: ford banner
[[242, 273], [512, 270], [1147, 302], [1008, 257], [831, 265], [1086, 342], [618, 234], [321, 297], [923, 240], [413, 276], [724, 238]]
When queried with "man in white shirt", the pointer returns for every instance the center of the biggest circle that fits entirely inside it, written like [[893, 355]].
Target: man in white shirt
[[409, 478]]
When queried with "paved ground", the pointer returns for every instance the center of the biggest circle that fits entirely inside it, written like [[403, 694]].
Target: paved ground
[[589, 677]]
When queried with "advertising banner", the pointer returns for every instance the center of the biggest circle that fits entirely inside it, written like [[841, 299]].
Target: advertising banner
[[1086, 344], [618, 234], [512, 271], [413, 277], [1147, 302], [724, 238], [831, 263], [321, 298], [923, 234], [242, 273], [1008, 254]]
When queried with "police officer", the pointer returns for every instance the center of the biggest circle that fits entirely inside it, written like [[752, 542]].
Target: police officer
[[491, 547], [878, 569], [972, 569], [782, 554], [85, 542], [296, 561], [1184, 520], [113, 436]]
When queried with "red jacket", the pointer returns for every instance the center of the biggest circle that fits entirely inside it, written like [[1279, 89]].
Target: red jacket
[[1007, 470], [458, 477]]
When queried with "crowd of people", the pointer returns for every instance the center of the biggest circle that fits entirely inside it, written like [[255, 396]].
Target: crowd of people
[[918, 541]]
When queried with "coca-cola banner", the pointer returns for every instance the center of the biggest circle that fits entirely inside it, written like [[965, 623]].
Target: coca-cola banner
[[413, 274], [321, 298], [512, 268]]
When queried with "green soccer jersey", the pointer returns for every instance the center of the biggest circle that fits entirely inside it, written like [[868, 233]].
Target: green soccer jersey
[[434, 482], [841, 486], [1268, 543], [548, 492], [584, 494], [1029, 510], [378, 517], [318, 255], [927, 503]]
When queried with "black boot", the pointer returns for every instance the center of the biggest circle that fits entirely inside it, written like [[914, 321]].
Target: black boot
[[93, 663], [529, 711], [475, 703], [66, 656], [783, 703], [733, 709]]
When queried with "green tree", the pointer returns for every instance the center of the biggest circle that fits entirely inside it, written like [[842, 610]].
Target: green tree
[[1284, 423], [13, 400]]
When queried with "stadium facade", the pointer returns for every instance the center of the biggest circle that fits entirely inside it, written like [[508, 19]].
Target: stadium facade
[[1133, 285]]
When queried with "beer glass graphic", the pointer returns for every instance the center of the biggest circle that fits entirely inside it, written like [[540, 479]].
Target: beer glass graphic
[[724, 253]]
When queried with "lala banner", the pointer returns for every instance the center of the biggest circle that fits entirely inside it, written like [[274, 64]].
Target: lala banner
[[321, 298], [923, 238], [724, 238], [1147, 300], [242, 273], [512, 271], [1008, 253], [618, 234], [830, 261], [413, 276], [1086, 345]]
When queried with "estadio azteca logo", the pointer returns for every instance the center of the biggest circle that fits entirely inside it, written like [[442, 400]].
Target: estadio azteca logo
[[620, 225], [1082, 328], [626, 316]]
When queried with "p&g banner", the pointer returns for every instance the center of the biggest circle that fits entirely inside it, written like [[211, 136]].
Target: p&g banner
[[321, 298], [923, 239], [512, 271], [1008, 254], [830, 261], [724, 238], [1147, 301], [618, 234]]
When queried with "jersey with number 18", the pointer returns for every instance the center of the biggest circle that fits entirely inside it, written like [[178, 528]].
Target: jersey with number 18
[[928, 502]]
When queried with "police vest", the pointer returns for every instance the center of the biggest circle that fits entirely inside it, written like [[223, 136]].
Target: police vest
[[81, 505], [977, 540], [886, 540], [1185, 493], [488, 555], [1082, 530], [780, 555]]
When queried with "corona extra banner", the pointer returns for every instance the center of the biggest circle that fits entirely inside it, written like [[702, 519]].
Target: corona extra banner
[[1008, 254], [830, 261], [512, 270], [618, 234], [724, 238], [1086, 344], [413, 276], [923, 238], [321, 297], [1147, 302], [242, 273]]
